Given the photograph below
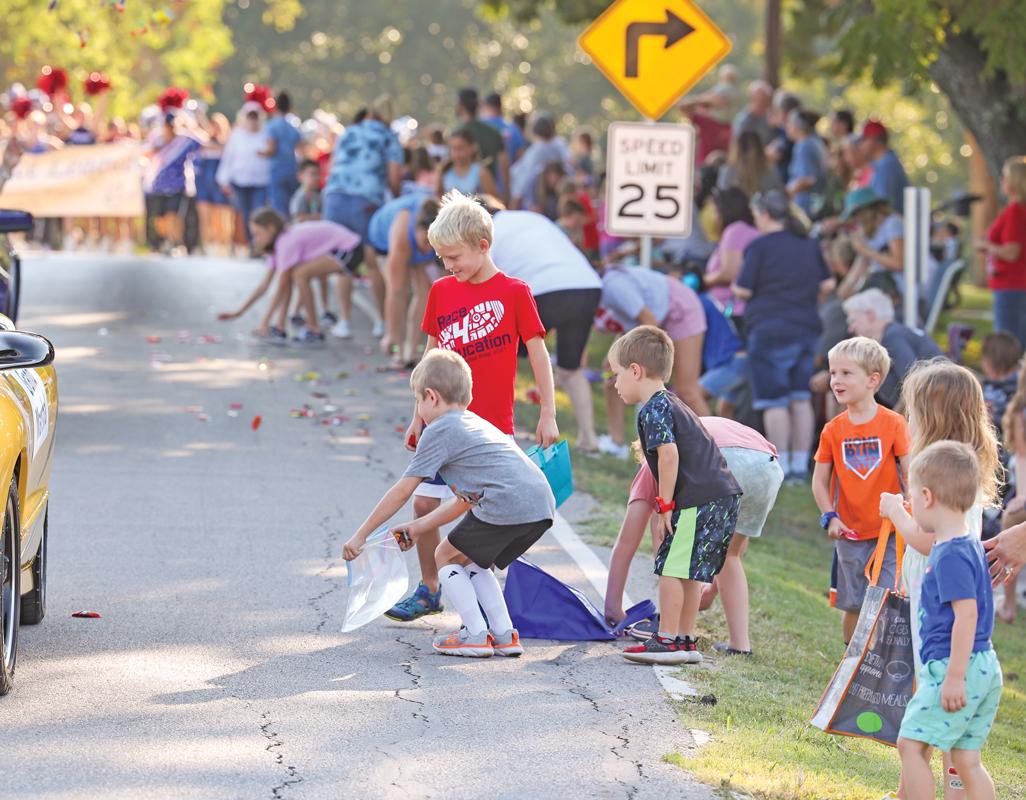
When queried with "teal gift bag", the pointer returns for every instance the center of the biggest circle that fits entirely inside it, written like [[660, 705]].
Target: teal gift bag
[[554, 462]]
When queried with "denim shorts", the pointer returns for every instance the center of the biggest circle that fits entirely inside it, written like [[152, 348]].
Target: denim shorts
[[350, 210], [780, 360], [725, 382]]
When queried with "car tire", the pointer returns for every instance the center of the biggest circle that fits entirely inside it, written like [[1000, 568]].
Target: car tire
[[33, 604], [10, 588]]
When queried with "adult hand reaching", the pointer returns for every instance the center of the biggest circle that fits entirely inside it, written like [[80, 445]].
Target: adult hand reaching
[[1007, 552]]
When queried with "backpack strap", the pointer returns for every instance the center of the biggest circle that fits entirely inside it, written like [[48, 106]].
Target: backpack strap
[[635, 614]]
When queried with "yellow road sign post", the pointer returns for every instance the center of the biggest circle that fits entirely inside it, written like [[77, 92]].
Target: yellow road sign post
[[654, 51]]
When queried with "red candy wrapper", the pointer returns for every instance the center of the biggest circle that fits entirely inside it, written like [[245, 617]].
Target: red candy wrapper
[[256, 422]]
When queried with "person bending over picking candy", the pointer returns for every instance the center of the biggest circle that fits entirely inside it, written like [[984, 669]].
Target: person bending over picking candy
[[506, 499]]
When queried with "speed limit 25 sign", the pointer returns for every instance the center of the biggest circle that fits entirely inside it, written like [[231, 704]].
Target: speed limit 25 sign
[[650, 179]]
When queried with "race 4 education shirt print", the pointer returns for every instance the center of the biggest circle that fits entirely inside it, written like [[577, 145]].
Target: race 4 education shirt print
[[485, 323]]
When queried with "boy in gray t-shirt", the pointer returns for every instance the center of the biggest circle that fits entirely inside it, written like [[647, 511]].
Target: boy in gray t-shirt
[[507, 503]]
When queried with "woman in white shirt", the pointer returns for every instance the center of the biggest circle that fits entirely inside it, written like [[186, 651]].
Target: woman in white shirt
[[245, 169], [566, 290]]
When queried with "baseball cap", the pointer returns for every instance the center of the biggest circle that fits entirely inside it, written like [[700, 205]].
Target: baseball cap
[[873, 129]]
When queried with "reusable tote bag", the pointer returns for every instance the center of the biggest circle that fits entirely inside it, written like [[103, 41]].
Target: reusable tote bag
[[873, 684], [554, 462], [543, 607]]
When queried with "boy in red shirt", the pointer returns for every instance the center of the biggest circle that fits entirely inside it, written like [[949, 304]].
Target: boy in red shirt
[[483, 314], [858, 459]]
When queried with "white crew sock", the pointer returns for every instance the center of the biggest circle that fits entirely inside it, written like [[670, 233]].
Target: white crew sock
[[800, 461], [785, 460], [489, 595], [460, 592]]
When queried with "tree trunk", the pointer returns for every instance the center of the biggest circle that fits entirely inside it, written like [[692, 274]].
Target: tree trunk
[[989, 107]]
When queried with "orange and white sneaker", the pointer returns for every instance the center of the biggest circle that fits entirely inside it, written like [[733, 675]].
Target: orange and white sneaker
[[464, 643], [507, 644]]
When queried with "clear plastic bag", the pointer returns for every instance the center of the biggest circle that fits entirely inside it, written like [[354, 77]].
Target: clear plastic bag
[[378, 579]]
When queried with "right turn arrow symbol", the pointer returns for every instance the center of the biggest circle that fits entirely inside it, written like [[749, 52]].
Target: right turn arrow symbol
[[674, 29]]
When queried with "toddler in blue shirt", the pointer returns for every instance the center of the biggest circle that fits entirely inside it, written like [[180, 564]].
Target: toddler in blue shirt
[[959, 685]]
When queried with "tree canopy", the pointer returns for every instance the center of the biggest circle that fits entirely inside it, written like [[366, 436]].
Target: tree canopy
[[974, 51], [142, 45]]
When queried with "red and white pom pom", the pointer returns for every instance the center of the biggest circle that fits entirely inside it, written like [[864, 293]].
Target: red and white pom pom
[[96, 83], [258, 93], [52, 80]]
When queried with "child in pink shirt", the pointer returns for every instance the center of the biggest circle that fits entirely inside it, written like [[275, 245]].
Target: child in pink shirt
[[753, 461], [297, 254]]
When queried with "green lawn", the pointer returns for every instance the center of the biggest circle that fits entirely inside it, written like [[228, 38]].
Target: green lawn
[[762, 743]]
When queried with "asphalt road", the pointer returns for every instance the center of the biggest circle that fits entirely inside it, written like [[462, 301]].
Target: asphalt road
[[212, 552]]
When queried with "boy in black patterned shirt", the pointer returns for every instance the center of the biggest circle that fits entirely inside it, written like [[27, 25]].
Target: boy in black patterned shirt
[[697, 519]]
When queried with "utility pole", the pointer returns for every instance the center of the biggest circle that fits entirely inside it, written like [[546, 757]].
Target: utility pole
[[771, 69]]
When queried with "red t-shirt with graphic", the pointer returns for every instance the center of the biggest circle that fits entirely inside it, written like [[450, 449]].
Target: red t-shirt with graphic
[[865, 464], [485, 323]]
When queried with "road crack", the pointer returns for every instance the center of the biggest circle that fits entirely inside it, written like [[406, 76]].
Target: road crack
[[569, 664], [408, 667], [275, 746], [332, 536]]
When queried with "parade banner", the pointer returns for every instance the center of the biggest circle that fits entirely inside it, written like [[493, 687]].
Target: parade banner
[[100, 180]]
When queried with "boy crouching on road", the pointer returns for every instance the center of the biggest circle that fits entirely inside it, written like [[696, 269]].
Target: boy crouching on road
[[506, 499], [959, 685]]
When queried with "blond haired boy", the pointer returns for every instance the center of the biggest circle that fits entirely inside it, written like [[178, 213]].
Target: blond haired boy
[[859, 458], [506, 500], [483, 314], [958, 687]]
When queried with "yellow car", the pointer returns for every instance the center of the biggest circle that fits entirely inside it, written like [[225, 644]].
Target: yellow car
[[28, 418]]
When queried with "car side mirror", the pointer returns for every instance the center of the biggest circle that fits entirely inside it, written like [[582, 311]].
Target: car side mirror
[[15, 221], [20, 350]]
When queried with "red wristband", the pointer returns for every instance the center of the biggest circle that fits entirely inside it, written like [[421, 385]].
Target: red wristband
[[664, 506]]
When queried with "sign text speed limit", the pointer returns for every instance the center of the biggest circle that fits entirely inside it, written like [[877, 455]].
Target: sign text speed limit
[[650, 179]]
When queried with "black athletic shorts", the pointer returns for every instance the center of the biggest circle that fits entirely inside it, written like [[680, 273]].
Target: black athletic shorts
[[162, 204], [499, 546], [571, 313], [349, 259]]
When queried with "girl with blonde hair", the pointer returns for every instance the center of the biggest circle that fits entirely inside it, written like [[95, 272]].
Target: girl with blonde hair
[[942, 401]]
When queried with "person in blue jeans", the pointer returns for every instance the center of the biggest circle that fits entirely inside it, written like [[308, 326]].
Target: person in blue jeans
[[244, 171], [366, 164], [282, 139], [783, 276]]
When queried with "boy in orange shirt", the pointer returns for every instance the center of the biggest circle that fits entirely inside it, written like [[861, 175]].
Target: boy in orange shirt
[[858, 459]]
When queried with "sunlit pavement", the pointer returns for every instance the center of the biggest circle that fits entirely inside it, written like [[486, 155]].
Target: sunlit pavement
[[211, 550]]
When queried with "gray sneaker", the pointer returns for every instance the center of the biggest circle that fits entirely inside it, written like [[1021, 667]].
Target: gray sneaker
[[463, 643], [507, 644]]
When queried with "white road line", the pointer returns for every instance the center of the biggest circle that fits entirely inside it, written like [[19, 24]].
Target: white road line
[[591, 565], [596, 573]]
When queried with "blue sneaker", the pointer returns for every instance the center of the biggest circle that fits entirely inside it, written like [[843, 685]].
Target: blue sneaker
[[419, 604]]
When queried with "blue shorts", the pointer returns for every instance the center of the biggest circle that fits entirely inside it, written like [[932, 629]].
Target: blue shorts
[[725, 382], [926, 720], [780, 359], [350, 210]]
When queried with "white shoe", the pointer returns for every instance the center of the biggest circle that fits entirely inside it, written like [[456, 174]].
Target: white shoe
[[610, 448], [340, 330], [379, 329]]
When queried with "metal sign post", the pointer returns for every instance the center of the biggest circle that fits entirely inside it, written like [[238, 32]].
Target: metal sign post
[[917, 250]]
